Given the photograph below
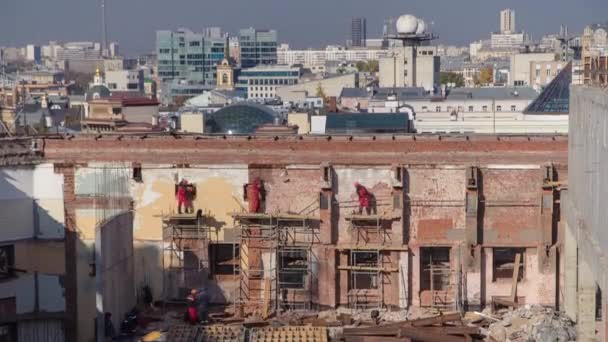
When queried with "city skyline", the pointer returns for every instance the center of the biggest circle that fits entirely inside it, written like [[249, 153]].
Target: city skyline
[[310, 28]]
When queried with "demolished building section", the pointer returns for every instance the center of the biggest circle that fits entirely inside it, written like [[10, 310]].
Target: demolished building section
[[444, 222]]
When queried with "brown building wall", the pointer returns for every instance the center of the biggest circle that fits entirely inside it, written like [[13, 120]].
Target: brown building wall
[[438, 208]]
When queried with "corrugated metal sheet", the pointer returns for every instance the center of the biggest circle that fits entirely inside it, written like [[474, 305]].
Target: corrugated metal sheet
[[41, 331]]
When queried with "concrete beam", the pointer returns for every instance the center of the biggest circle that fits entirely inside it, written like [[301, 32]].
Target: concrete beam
[[570, 272], [585, 328]]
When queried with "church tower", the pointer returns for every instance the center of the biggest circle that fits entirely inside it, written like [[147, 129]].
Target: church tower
[[225, 70]]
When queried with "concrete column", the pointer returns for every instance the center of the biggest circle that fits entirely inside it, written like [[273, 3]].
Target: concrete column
[[404, 280], [326, 216], [415, 274], [326, 282], [397, 226], [343, 286], [585, 328], [570, 272]]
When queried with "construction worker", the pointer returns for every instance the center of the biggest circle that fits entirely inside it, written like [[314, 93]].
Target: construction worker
[[202, 298], [254, 193], [192, 307], [109, 331], [182, 196], [364, 198], [190, 195]]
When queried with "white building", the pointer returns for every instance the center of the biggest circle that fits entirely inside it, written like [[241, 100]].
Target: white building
[[520, 66], [315, 57], [403, 69], [32, 53], [500, 110], [507, 21], [507, 40], [262, 81], [474, 48], [125, 80]]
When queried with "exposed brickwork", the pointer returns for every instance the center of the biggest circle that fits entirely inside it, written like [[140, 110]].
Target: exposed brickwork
[[71, 239], [434, 203], [290, 150]]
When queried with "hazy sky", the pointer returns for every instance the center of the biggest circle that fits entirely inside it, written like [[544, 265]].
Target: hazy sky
[[302, 23]]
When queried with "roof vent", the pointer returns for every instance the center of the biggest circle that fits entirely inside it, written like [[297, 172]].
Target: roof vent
[[515, 93]]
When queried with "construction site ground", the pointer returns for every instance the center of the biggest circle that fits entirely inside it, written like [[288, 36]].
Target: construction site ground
[[516, 324]]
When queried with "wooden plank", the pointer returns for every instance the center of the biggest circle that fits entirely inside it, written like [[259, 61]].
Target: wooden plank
[[266, 307], [375, 339], [422, 335], [372, 217], [459, 330], [515, 276], [363, 268], [371, 248], [447, 317], [505, 302], [392, 329]]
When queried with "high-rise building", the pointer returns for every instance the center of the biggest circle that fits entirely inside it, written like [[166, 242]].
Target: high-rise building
[[189, 56], [358, 32], [258, 47], [507, 21], [33, 53]]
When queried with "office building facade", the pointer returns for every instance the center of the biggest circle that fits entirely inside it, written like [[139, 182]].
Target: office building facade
[[188, 56], [261, 82], [258, 47], [358, 32]]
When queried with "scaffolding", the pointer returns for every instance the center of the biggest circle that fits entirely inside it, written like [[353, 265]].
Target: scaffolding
[[440, 277], [185, 255], [366, 279], [366, 225], [275, 261]]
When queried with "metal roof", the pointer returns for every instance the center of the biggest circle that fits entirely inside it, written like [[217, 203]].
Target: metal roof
[[367, 123], [555, 98], [354, 92], [492, 93]]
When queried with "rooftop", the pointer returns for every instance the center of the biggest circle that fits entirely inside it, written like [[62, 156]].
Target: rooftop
[[367, 123], [555, 98]]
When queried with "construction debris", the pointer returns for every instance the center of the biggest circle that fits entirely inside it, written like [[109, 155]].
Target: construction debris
[[446, 327], [531, 323]]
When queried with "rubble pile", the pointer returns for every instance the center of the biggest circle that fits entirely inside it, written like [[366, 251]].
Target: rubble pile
[[531, 323]]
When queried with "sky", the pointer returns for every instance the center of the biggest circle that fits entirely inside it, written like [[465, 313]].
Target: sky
[[301, 23]]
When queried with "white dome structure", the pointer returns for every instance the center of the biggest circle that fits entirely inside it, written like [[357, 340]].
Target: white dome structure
[[407, 24], [421, 27]]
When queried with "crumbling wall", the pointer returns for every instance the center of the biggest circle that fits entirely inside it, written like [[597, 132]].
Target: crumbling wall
[[436, 207], [376, 179], [114, 274], [512, 197], [435, 193], [290, 189]]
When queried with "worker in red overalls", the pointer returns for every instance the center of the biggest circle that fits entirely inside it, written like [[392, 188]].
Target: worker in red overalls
[[364, 198], [182, 198], [254, 195]]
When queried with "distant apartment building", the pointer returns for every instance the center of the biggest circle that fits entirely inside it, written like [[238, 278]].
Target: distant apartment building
[[520, 67], [507, 40], [594, 43], [404, 69], [257, 47], [358, 32], [315, 58], [507, 21], [125, 80], [77, 51], [33, 53], [542, 73], [261, 82], [187, 56]]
